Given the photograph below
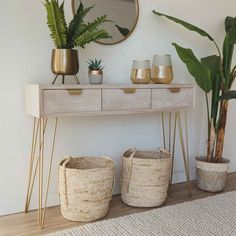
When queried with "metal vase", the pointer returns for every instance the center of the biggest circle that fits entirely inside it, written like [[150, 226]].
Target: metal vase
[[65, 61]]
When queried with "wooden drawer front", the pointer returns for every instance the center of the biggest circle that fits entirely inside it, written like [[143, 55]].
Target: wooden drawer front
[[72, 101], [180, 98], [125, 99]]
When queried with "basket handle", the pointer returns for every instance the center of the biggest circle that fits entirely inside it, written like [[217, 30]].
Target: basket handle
[[164, 151], [133, 152], [64, 162]]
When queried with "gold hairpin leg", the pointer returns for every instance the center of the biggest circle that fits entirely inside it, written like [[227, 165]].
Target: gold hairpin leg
[[163, 129], [39, 136], [32, 174], [185, 156], [173, 147], [170, 127]]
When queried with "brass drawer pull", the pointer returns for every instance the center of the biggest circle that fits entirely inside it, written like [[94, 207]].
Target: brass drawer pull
[[174, 90], [75, 91], [129, 90]]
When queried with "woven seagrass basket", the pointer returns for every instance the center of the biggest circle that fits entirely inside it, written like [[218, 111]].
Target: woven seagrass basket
[[145, 177], [85, 187]]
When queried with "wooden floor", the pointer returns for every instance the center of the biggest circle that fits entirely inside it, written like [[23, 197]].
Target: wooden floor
[[26, 224]]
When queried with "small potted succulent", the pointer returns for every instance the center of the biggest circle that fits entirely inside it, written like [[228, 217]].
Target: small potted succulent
[[95, 72]]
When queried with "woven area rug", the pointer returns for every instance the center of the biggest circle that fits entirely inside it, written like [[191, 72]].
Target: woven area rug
[[204, 217]]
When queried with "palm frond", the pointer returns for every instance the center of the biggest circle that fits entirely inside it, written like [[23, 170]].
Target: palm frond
[[75, 24], [88, 37], [92, 27], [56, 22]]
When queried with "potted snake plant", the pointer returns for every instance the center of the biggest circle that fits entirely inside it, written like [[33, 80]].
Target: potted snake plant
[[77, 33], [95, 72], [214, 75]]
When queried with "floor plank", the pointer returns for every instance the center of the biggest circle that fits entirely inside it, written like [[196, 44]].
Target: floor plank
[[26, 224]]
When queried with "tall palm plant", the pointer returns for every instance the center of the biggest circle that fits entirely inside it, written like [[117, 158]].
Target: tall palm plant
[[77, 32], [214, 74]]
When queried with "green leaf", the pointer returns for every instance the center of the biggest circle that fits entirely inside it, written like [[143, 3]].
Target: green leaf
[[195, 67], [228, 23], [186, 25], [232, 32], [228, 95], [88, 37], [213, 64], [228, 50], [76, 23], [56, 22]]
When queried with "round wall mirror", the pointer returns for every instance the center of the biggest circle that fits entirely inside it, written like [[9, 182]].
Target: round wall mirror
[[123, 14]]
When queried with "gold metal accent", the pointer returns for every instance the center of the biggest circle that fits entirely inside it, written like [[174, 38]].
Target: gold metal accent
[[65, 62], [184, 146], [173, 148], [75, 91], [131, 30], [174, 90], [129, 90], [141, 76], [162, 74], [163, 129], [186, 164], [95, 72], [39, 130], [170, 124]]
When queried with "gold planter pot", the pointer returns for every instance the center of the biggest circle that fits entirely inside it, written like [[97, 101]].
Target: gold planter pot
[[65, 62]]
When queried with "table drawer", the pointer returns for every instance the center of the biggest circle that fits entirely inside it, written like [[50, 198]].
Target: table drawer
[[173, 98], [125, 99], [71, 100]]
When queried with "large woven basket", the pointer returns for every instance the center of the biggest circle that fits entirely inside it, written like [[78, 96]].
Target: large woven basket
[[85, 187], [145, 177]]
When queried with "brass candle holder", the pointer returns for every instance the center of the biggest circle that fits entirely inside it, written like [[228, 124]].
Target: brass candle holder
[[141, 72], [162, 72]]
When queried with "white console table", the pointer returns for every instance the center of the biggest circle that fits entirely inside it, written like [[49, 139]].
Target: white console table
[[55, 101]]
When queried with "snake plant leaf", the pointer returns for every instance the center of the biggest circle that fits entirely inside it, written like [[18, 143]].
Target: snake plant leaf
[[213, 63], [195, 67], [231, 94], [186, 25], [56, 22]]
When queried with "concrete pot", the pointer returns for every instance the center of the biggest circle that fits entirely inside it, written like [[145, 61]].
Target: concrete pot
[[95, 76], [211, 177]]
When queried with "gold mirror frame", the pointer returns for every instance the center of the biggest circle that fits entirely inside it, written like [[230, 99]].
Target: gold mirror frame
[[127, 36]]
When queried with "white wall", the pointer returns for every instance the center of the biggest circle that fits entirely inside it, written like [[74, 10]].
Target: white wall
[[25, 58]]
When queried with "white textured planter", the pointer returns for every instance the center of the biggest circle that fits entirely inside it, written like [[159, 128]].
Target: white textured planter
[[211, 177]]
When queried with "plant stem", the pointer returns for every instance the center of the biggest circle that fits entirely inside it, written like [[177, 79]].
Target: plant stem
[[221, 131], [209, 126], [208, 115]]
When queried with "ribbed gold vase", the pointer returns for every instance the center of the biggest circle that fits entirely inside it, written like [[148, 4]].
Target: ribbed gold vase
[[65, 61]]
